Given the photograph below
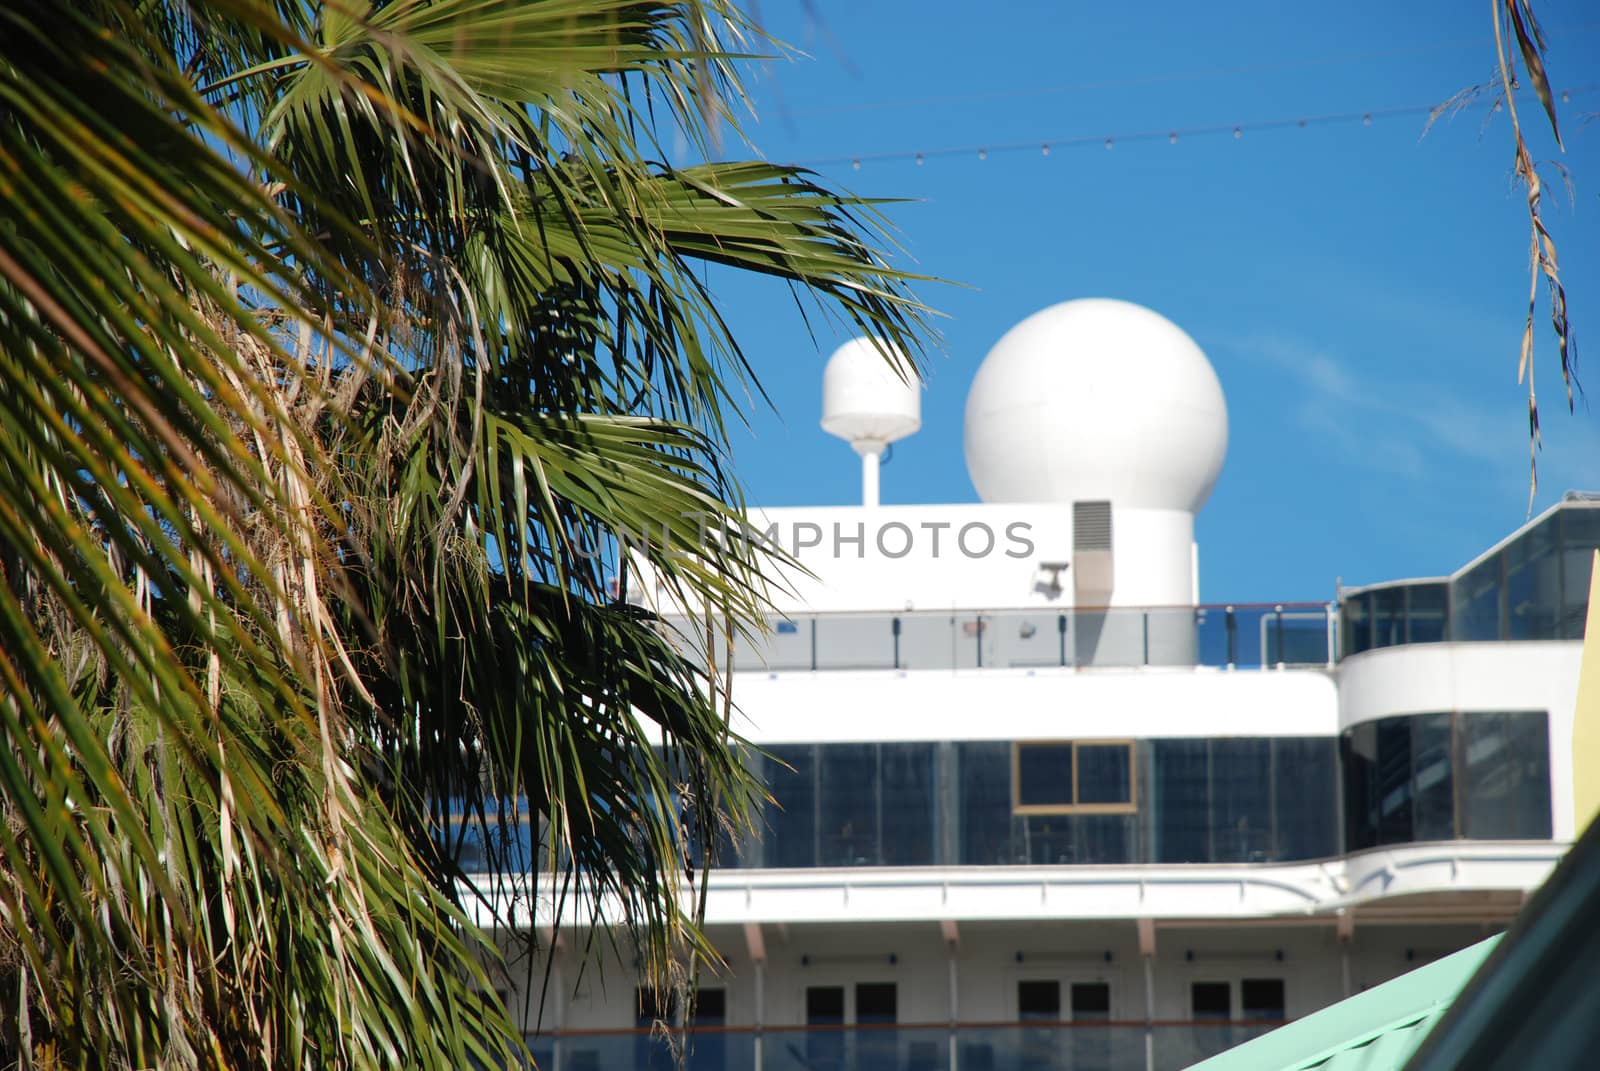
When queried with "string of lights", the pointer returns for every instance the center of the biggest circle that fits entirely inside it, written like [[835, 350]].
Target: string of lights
[[1172, 135]]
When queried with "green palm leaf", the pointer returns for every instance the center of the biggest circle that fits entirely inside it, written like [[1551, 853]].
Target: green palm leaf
[[341, 347]]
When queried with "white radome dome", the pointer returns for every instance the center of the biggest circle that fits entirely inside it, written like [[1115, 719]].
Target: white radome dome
[[864, 399], [1096, 399]]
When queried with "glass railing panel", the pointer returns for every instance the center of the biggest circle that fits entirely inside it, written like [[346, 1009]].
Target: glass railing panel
[[1027, 639], [543, 1049], [967, 1047], [1216, 636], [1051, 1047], [786, 646], [1180, 1045], [927, 640], [1113, 637], [1238, 636], [1171, 637], [855, 641], [889, 1048], [970, 633], [641, 1050], [1295, 638]]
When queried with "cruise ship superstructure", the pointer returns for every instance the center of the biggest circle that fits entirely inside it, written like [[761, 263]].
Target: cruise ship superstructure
[[1035, 805]]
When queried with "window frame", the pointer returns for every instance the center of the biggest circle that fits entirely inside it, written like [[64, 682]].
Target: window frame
[[1022, 809]]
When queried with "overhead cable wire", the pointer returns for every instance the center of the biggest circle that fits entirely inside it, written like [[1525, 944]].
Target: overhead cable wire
[[1172, 135]]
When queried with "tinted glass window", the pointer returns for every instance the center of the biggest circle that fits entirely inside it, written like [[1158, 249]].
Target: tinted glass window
[[1505, 775], [1358, 753], [652, 1006], [1393, 784], [1475, 603], [1262, 998], [1305, 783], [1354, 612], [1038, 1001], [1426, 608], [1210, 1001], [1533, 584], [652, 1051], [711, 1007], [1241, 800], [790, 840], [909, 804], [1484, 775], [1105, 773], [1106, 838], [847, 811], [1388, 617], [1044, 773], [875, 1002], [984, 805], [1180, 793], [708, 1051], [1048, 839], [824, 1005], [1580, 535], [1091, 1001], [1432, 780]]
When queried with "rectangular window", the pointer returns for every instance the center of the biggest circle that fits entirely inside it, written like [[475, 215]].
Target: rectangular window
[[983, 808], [652, 1051], [910, 804], [1533, 584], [847, 805], [1476, 603], [1393, 787], [1091, 1002], [1580, 535], [711, 1007], [1180, 794], [825, 1008], [1505, 764], [1091, 1047], [1058, 777], [1432, 780], [1261, 999], [791, 815], [876, 1003], [1305, 781], [1105, 773], [1038, 1002], [1241, 800], [1427, 609], [825, 1005], [708, 1050], [1044, 776], [652, 1007], [1210, 1001]]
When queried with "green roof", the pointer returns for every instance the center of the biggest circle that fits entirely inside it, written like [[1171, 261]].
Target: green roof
[[1377, 1030]]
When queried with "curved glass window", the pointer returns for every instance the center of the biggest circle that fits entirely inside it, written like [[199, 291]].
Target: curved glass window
[[1396, 614], [1447, 776], [1536, 587]]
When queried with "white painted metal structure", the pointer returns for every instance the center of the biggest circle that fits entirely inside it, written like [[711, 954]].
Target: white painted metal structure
[[1085, 404]]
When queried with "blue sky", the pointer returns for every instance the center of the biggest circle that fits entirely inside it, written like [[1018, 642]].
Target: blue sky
[[1360, 288]]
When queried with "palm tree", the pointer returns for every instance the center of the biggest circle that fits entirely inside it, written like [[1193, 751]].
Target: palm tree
[[338, 343]]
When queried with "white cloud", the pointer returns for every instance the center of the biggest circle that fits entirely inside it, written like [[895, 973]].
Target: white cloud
[[1406, 427]]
